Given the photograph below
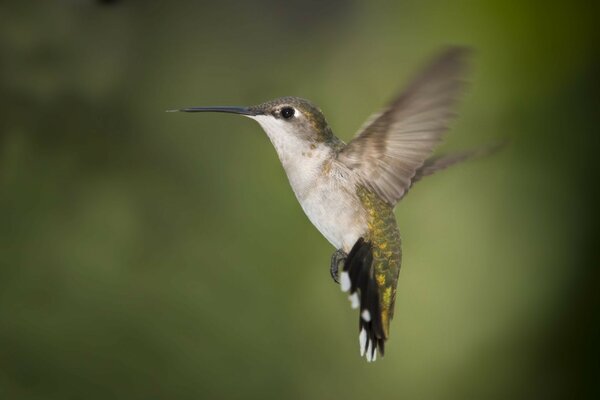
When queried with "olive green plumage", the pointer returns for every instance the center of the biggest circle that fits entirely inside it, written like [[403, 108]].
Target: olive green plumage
[[384, 235]]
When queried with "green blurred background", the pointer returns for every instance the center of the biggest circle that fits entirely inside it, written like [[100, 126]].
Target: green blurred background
[[147, 255]]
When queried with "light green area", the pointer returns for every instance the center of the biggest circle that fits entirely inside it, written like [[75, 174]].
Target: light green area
[[151, 255]]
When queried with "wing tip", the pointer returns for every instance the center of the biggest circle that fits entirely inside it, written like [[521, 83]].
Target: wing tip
[[457, 50], [453, 60]]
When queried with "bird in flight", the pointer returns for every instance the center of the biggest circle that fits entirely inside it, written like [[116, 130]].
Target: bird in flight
[[349, 191]]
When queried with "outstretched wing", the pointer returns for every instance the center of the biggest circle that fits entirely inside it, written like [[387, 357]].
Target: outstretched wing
[[390, 148]]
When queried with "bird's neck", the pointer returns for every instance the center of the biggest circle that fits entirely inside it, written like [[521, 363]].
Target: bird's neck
[[302, 159], [304, 163]]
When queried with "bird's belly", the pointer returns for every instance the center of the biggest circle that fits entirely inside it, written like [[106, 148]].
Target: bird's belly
[[337, 213]]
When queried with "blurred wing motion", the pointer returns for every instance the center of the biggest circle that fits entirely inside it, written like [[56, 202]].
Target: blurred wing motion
[[395, 143], [435, 164]]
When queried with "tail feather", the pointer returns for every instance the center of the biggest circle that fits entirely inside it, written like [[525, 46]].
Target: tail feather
[[358, 278]]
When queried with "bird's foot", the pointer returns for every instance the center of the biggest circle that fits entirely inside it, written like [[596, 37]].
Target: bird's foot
[[338, 257]]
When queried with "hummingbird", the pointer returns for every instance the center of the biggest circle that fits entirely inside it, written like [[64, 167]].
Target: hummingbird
[[349, 190]]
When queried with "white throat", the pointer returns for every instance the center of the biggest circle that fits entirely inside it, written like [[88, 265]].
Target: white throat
[[324, 188], [301, 159]]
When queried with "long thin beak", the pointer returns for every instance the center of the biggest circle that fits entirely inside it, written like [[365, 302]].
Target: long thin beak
[[231, 110]]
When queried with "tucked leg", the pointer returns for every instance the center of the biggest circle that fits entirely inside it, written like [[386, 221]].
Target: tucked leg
[[338, 257]]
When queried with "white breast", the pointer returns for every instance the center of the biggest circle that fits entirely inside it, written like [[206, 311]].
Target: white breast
[[333, 207], [324, 188]]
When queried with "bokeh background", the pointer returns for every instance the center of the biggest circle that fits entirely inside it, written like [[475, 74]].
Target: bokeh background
[[147, 255]]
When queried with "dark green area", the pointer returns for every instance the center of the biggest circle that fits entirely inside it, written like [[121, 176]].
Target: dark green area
[[152, 255]]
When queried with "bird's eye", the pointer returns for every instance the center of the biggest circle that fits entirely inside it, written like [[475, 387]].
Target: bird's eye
[[287, 112]]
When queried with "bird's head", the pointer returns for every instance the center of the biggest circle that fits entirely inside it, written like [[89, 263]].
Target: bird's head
[[286, 119]]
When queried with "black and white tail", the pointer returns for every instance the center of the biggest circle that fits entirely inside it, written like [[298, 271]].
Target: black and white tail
[[358, 278]]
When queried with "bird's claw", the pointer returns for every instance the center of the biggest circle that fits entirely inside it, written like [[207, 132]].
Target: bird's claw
[[338, 257]]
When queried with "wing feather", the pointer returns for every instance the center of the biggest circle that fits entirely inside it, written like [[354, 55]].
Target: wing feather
[[394, 144]]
